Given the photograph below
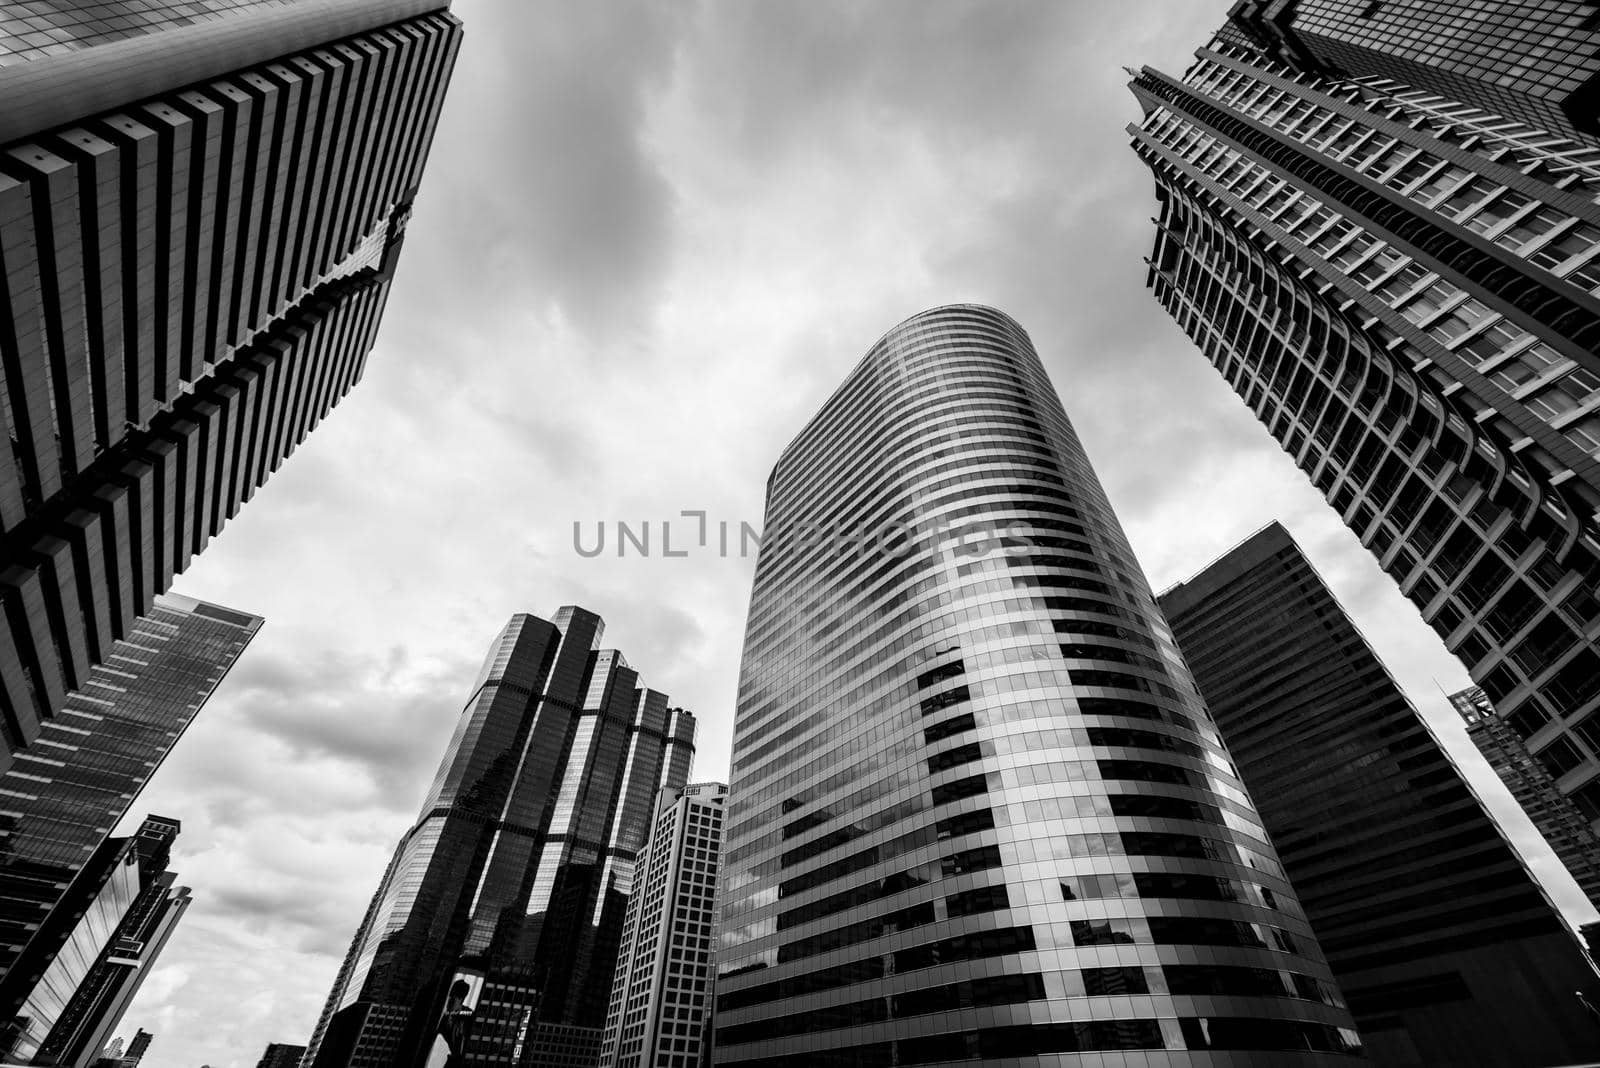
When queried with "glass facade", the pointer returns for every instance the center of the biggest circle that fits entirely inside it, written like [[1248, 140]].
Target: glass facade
[[65, 793], [661, 994], [1445, 946], [1536, 61], [520, 863], [191, 283], [979, 813], [1406, 292], [1533, 782]]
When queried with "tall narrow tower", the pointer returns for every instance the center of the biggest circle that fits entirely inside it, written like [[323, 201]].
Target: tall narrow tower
[[515, 878], [202, 207], [1405, 289], [978, 811], [661, 993]]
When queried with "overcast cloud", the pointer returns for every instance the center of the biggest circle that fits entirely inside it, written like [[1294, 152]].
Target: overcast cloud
[[651, 240]]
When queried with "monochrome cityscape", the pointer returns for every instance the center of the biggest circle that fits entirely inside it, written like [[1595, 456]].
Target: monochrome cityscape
[[1075, 720]]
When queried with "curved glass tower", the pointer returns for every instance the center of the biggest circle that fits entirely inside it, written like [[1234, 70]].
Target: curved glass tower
[[979, 811]]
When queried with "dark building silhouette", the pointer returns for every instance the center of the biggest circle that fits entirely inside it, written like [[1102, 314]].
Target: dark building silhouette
[[660, 1011], [514, 880], [102, 940], [1446, 948], [1405, 290], [68, 791], [281, 1055], [202, 207], [116, 1057], [1537, 61], [979, 813], [1533, 782]]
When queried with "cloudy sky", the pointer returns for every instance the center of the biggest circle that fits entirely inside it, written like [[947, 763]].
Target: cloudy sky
[[651, 240]]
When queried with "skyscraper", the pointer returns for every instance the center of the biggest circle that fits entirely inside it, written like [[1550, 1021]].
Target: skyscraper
[[515, 879], [1448, 951], [978, 810], [661, 991], [1404, 290], [66, 792], [1532, 781], [112, 922], [202, 209]]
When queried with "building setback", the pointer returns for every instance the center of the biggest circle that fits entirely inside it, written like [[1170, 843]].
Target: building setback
[[1403, 289], [661, 994], [1532, 781], [978, 811], [202, 213], [514, 881], [68, 791], [111, 924], [1445, 946]]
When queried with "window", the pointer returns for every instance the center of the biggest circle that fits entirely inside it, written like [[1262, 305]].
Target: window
[[1587, 798], [1111, 981], [1533, 225], [1575, 242], [1495, 339], [1495, 212], [973, 902], [1460, 320], [1427, 302], [1559, 757], [1563, 395], [1110, 932]]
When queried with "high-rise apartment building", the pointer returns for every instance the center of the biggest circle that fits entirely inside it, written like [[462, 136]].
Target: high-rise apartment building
[[1406, 291], [503, 907], [112, 922], [1446, 948], [979, 813], [661, 994], [202, 206], [1533, 782], [67, 792], [1536, 61]]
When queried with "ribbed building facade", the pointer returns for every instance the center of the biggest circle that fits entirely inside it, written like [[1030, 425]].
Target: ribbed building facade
[[661, 994], [65, 794], [1404, 291], [107, 931], [979, 814], [1447, 950], [202, 211], [516, 876], [1535, 61], [1533, 781]]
